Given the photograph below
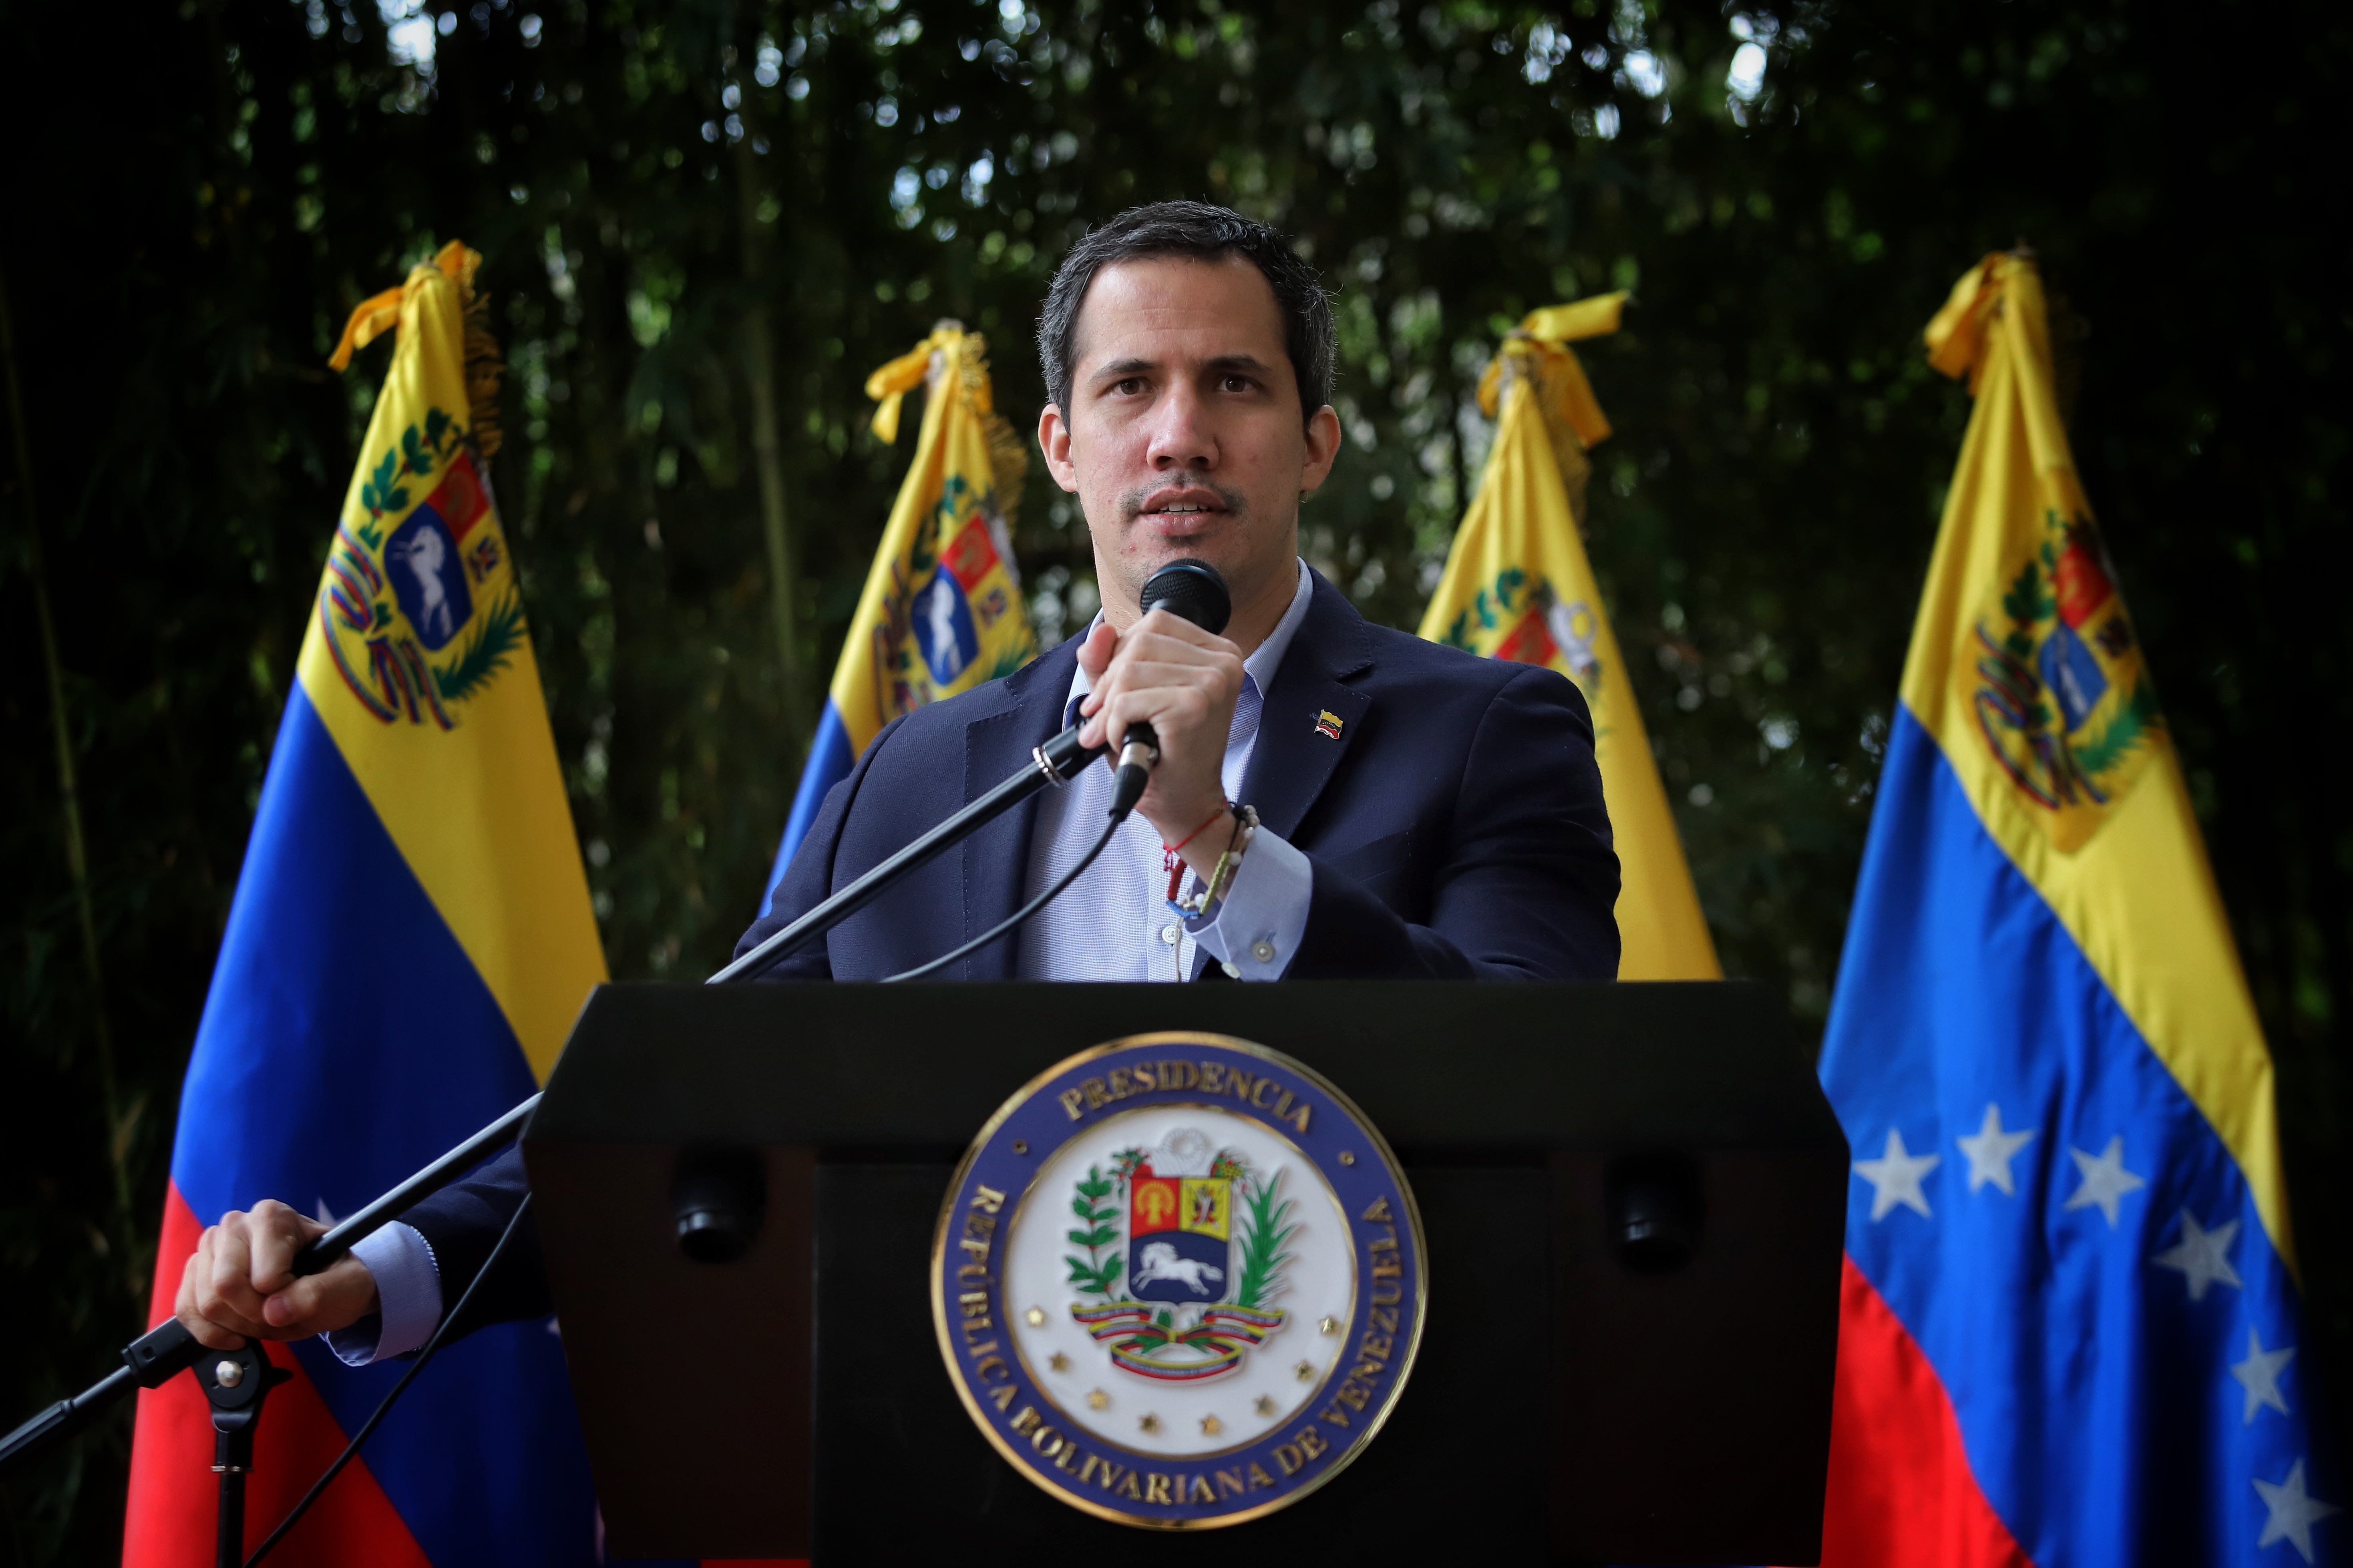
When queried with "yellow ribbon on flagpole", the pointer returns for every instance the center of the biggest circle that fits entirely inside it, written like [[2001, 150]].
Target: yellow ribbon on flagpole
[[1539, 344], [890, 386]]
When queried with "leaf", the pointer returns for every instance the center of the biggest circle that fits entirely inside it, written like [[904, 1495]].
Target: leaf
[[2135, 716], [487, 651]]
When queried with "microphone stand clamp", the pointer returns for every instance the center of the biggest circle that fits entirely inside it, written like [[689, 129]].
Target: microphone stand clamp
[[236, 1382]]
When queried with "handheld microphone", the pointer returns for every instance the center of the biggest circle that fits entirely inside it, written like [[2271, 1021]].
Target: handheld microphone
[[1194, 591], [1189, 588]]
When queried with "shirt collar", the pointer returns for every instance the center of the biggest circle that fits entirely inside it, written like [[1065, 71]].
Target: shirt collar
[[1258, 669]]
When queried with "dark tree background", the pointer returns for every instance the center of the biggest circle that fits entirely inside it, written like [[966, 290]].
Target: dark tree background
[[687, 205]]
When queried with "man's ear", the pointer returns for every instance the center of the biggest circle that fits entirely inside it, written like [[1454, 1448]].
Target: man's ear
[[1054, 440], [1323, 449]]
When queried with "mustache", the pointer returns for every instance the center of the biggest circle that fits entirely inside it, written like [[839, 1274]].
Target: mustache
[[1130, 505]]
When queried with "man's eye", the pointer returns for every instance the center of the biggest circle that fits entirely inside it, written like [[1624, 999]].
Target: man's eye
[[1128, 386], [1237, 384]]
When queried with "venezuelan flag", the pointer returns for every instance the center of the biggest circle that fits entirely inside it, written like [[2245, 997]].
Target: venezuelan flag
[[2070, 1327], [409, 942], [942, 611], [1518, 587]]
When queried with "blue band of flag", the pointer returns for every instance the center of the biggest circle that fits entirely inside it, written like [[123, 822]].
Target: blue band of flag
[[829, 762]]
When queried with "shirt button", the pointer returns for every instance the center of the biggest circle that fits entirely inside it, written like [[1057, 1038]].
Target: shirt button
[[1262, 949], [1169, 933]]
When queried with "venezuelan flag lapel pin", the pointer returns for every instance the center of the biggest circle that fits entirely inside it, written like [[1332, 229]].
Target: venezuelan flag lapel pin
[[1327, 724]]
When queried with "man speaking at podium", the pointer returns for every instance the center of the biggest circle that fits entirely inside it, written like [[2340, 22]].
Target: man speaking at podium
[[1383, 807]]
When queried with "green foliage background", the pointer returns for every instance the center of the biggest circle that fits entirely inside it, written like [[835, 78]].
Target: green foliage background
[[206, 188]]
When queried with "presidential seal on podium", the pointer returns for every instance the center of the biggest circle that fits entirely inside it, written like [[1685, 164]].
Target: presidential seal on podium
[[1179, 1281]]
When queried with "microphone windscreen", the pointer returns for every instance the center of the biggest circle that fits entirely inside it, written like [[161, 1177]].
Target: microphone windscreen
[[1192, 589]]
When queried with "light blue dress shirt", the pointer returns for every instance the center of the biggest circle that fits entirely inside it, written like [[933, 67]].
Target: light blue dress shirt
[[1114, 923]]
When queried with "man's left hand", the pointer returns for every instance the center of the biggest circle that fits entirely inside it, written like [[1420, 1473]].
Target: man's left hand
[[1167, 672]]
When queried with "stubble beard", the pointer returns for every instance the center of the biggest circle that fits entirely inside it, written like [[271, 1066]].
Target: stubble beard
[[1131, 507]]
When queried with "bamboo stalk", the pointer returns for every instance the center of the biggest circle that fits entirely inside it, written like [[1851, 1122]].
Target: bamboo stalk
[[77, 852], [767, 453]]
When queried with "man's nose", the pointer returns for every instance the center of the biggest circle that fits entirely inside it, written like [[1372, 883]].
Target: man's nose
[[1182, 436]]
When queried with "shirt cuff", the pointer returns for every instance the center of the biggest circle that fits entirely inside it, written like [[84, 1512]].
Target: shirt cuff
[[409, 1297], [1259, 924]]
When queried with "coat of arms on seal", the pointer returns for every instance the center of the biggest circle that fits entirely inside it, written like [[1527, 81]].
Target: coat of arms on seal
[[1199, 1279], [1178, 1281]]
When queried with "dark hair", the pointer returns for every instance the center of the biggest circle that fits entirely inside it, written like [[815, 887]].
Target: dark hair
[[1210, 234]]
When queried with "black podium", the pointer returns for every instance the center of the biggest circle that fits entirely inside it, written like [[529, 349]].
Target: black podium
[[1632, 1198]]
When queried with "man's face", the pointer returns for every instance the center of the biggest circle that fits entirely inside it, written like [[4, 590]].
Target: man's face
[[1185, 436]]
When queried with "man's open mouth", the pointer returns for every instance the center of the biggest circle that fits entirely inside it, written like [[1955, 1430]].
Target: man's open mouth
[[1177, 503]]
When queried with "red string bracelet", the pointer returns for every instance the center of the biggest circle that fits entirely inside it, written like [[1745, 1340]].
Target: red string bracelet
[[1169, 861]]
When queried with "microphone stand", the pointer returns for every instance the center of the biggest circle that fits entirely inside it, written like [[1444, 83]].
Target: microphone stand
[[237, 1382]]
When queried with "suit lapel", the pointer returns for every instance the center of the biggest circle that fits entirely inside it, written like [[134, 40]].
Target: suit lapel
[[996, 745], [1297, 753]]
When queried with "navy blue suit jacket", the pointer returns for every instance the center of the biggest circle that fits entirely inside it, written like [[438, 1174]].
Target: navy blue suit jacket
[[1455, 828], [1456, 825]]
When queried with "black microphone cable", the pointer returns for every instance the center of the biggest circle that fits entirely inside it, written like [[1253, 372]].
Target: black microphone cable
[[369, 1427], [1023, 914]]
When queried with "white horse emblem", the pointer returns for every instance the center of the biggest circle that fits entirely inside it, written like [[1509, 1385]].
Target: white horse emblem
[[939, 611], [1160, 1261], [425, 557]]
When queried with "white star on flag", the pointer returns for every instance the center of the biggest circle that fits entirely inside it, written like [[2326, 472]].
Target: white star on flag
[[2259, 1375], [2203, 1255], [326, 1214], [2106, 1180], [2293, 1512], [1989, 1152], [1895, 1178]]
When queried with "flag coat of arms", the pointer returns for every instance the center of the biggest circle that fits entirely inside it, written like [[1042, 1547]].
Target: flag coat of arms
[[2069, 1328], [1518, 586], [942, 610], [409, 940]]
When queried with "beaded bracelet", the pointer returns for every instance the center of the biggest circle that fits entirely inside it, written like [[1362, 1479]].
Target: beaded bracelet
[[1230, 865]]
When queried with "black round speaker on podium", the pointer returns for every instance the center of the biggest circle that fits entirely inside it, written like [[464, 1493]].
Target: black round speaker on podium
[[718, 1196]]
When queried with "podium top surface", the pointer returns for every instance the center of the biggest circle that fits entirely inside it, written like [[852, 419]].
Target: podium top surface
[[915, 1070]]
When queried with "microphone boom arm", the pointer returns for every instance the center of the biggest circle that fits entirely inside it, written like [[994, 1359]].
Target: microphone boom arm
[[1055, 762]]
